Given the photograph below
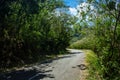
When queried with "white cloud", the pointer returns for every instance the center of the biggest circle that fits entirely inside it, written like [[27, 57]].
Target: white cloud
[[73, 11], [85, 8], [82, 7]]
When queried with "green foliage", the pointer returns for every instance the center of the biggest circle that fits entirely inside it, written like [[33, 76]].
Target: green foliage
[[87, 42], [107, 30], [106, 40], [29, 30]]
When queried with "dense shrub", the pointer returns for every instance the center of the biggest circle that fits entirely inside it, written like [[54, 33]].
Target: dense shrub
[[87, 42], [30, 30]]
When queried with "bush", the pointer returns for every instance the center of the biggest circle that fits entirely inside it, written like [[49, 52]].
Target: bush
[[87, 42], [30, 31]]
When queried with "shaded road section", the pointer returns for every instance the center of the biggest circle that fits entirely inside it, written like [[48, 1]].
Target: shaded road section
[[65, 67]]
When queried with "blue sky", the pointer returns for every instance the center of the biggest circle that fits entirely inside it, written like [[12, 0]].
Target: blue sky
[[72, 6], [73, 3]]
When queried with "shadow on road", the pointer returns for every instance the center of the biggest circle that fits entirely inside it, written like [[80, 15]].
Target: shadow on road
[[57, 58], [26, 75], [75, 52], [34, 73]]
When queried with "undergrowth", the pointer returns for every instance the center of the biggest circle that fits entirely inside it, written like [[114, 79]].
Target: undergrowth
[[94, 67]]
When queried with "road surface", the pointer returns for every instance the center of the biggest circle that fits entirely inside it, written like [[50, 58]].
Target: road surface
[[65, 67]]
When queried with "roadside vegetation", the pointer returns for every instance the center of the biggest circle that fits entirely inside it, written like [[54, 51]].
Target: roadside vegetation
[[94, 68], [102, 37], [83, 43], [30, 30]]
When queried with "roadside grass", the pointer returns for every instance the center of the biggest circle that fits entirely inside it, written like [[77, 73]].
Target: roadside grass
[[94, 67]]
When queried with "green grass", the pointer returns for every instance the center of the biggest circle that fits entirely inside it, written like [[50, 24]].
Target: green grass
[[94, 67]]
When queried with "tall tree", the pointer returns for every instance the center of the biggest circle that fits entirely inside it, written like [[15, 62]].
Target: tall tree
[[107, 29]]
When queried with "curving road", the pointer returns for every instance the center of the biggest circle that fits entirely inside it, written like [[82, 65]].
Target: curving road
[[65, 67]]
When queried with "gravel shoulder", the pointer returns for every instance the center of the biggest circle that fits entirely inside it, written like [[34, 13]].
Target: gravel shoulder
[[66, 67]]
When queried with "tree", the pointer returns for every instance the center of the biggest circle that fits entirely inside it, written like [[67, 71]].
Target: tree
[[107, 30], [28, 31]]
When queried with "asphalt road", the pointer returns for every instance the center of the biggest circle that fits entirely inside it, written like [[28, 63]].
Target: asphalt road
[[65, 67]]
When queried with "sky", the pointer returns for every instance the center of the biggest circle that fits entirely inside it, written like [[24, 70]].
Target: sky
[[72, 4], [75, 5], [75, 8]]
